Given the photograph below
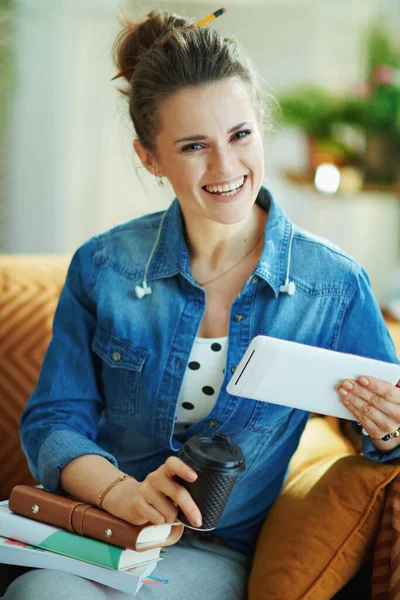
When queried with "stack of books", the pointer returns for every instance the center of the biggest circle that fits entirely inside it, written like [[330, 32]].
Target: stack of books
[[28, 541]]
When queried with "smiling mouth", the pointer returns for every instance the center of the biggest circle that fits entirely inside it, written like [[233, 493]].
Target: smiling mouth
[[228, 193]]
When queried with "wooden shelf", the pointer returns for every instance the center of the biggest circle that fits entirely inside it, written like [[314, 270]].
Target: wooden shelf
[[307, 178]]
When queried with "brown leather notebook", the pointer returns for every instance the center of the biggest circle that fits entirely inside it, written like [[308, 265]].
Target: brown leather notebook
[[88, 520]]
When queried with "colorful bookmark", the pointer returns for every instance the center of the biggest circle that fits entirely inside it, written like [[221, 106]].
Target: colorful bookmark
[[154, 580]]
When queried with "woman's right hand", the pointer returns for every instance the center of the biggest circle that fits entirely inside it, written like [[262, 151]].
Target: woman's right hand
[[158, 498]]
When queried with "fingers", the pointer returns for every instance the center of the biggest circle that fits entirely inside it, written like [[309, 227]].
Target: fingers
[[371, 398], [182, 499], [163, 504], [178, 494], [374, 403], [175, 466], [161, 496], [139, 511], [371, 387], [150, 514], [375, 422]]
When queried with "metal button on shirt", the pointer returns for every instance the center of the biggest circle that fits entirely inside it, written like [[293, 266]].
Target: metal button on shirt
[[253, 279], [212, 423], [233, 369], [238, 318], [116, 356]]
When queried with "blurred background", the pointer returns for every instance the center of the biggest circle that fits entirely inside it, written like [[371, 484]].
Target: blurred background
[[67, 166]]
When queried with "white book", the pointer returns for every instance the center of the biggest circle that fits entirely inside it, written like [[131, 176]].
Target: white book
[[129, 581], [55, 539]]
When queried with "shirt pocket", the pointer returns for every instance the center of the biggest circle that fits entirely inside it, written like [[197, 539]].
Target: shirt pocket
[[266, 416], [121, 371]]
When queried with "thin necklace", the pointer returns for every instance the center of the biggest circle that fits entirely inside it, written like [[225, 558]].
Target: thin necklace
[[233, 266]]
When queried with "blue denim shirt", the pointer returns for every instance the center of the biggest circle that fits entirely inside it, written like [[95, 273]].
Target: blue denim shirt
[[111, 376]]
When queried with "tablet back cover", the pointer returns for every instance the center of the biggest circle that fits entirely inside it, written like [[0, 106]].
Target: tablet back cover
[[302, 376]]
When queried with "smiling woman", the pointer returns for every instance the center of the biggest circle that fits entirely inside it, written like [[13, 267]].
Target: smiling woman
[[199, 121], [156, 314], [218, 175], [202, 128]]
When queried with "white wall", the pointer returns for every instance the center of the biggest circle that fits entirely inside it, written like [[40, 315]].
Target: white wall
[[69, 147], [71, 168]]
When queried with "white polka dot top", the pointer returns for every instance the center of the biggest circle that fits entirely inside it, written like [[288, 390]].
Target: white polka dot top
[[202, 381]]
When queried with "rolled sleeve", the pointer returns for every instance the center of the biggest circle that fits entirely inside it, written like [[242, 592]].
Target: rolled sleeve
[[60, 421], [372, 452], [364, 332], [58, 450]]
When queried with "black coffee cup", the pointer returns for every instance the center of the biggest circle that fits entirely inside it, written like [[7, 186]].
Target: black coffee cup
[[218, 463]]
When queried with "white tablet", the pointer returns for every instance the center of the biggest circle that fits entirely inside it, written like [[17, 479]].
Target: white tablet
[[302, 376]]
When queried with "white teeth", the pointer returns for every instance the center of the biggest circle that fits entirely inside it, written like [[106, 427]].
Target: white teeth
[[225, 188], [230, 193]]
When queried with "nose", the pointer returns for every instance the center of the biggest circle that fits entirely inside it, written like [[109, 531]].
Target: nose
[[220, 162]]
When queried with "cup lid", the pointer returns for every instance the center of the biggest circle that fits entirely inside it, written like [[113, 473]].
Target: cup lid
[[214, 452]]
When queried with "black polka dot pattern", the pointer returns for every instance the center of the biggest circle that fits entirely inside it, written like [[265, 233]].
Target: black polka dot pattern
[[208, 390], [194, 365], [201, 383], [188, 405]]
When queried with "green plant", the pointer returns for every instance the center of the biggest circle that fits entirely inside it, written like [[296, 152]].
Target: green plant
[[377, 109], [312, 109], [380, 50], [373, 109]]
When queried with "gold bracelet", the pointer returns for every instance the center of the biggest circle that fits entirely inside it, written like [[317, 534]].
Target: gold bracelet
[[110, 486], [388, 436]]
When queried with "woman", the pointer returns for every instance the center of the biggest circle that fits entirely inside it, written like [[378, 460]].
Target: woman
[[156, 313]]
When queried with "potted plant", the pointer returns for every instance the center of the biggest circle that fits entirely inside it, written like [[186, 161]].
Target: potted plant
[[371, 111]]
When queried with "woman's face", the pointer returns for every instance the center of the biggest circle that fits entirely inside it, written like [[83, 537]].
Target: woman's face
[[210, 136]]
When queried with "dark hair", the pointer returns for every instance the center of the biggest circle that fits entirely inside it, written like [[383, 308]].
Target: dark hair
[[167, 52]]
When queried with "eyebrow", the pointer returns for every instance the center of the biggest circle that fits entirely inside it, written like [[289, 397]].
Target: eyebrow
[[198, 138]]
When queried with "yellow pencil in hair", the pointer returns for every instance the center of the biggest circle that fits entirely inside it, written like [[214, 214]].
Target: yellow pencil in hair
[[201, 23], [211, 17]]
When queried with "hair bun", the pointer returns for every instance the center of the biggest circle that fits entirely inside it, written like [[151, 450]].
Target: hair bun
[[137, 37]]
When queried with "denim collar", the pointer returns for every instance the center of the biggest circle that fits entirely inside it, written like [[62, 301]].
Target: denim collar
[[171, 254]]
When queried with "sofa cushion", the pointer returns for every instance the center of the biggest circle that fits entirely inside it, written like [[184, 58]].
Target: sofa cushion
[[323, 525], [29, 291]]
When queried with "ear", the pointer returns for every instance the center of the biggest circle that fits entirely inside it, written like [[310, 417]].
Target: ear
[[147, 158]]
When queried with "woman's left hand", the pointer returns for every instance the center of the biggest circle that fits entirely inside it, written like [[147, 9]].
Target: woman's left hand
[[376, 405]]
